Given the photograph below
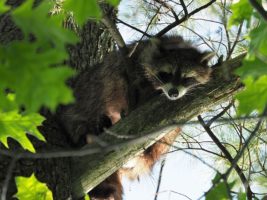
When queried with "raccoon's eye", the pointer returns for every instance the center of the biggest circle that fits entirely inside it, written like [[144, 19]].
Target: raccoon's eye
[[190, 81], [164, 76]]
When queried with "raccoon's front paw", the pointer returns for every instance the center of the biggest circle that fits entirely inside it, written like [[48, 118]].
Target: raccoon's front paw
[[123, 114], [93, 139], [79, 132]]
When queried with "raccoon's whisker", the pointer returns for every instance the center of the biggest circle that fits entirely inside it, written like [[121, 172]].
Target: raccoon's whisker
[[156, 77], [153, 74]]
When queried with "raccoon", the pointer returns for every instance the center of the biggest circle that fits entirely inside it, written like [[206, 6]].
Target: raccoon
[[168, 65]]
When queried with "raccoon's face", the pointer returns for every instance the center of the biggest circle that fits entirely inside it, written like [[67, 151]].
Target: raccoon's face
[[177, 70]]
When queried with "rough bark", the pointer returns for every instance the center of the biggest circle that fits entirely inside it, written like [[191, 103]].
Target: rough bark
[[74, 176], [95, 43], [159, 116]]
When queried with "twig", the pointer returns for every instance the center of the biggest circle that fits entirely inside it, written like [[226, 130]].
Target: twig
[[228, 157], [259, 8], [118, 136], [90, 151], [164, 4], [184, 18], [207, 20], [201, 37], [134, 28], [251, 136], [220, 114], [184, 7], [159, 179], [224, 17], [194, 156], [231, 50], [137, 43], [8, 177]]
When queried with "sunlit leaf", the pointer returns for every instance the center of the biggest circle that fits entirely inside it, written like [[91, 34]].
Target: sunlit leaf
[[242, 196], [258, 44], [3, 7], [8, 103], [219, 192], [44, 27], [15, 125], [28, 74], [31, 189], [254, 97], [114, 2], [241, 10], [254, 68], [86, 197], [83, 10]]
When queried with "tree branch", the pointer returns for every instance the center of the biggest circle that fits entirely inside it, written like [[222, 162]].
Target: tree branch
[[159, 179], [91, 170], [259, 8], [227, 156], [184, 18], [115, 33]]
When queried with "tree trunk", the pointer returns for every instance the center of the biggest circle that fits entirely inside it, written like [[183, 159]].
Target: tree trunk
[[95, 43], [70, 178]]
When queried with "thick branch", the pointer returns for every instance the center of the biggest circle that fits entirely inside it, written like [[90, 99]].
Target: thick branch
[[89, 171], [114, 32]]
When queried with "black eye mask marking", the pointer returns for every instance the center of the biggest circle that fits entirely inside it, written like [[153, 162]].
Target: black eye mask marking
[[190, 81], [165, 77]]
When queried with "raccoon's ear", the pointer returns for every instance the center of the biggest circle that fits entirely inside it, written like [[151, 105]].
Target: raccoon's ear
[[206, 56]]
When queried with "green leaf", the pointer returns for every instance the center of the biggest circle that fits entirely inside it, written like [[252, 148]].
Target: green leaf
[[31, 189], [83, 10], [242, 196], [30, 76], [219, 192], [8, 103], [241, 10], [254, 97], [217, 178], [258, 44], [44, 27], [254, 68], [86, 197], [3, 7], [114, 2], [15, 125]]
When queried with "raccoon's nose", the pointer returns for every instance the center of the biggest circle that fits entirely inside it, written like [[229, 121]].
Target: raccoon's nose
[[173, 92]]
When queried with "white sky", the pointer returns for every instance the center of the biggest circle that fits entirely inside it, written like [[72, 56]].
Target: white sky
[[181, 174]]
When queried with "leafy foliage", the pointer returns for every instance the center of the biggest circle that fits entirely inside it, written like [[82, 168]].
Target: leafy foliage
[[46, 29], [15, 125], [83, 10], [31, 189], [241, 11], [255, 95], [254, 68], [33, 74], [87, 197], [32, 79], [114, 2], [258, 45], [218, 192], [3, 7]]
